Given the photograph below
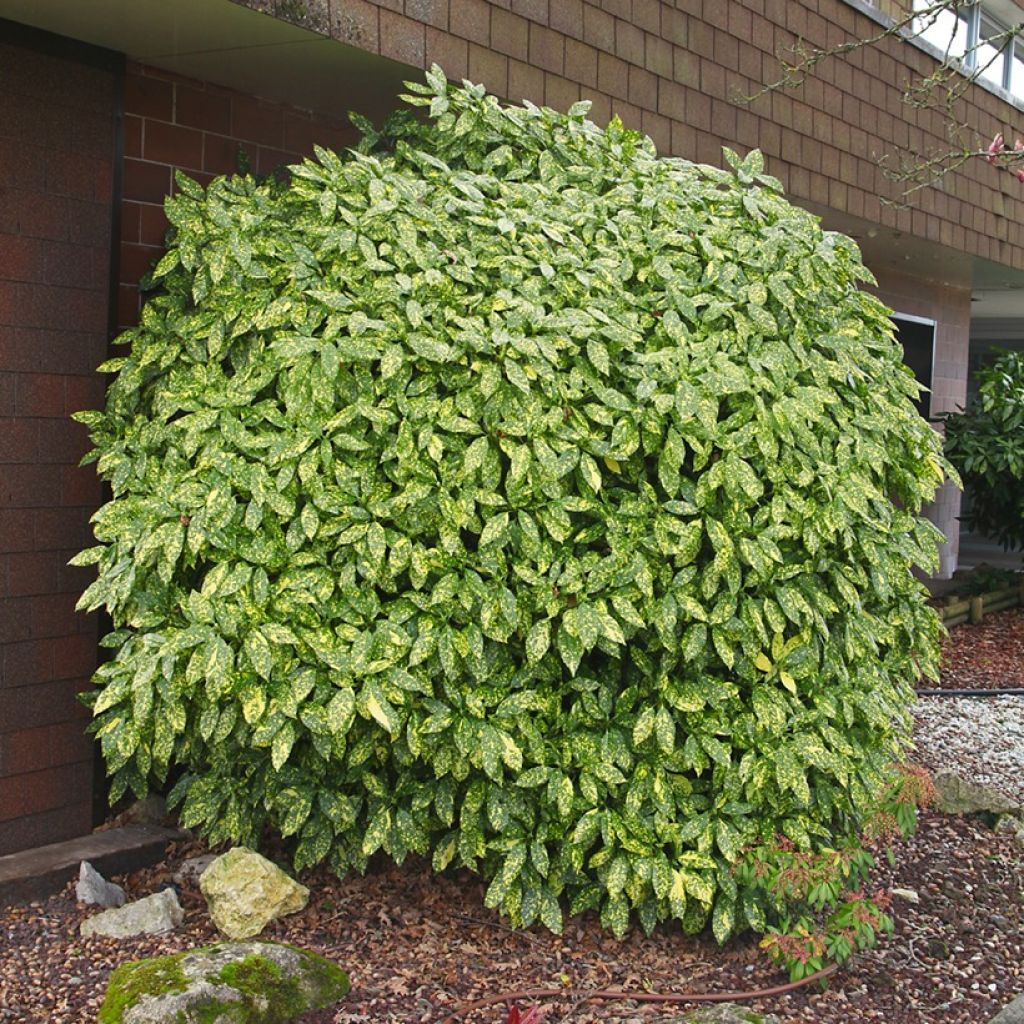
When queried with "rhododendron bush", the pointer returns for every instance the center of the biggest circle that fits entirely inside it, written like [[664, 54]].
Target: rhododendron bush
[[500, 492]]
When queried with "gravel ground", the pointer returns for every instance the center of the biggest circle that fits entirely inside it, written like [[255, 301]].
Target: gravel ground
[[417, 945], [981, 738]]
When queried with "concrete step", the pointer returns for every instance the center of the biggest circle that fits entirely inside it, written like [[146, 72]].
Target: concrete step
[[40, 872]]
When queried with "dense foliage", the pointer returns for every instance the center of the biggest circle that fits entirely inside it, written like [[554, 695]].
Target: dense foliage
[[509, 495], [986, 444]]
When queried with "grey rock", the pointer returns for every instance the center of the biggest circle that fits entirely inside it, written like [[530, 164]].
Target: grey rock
[[150, 810], [92, 887], [190, 870], [1012, 1013], [910, 895], [245, 892], [151, 915], [728, 1013], [224, 984], [956, 795], [1012, 824]]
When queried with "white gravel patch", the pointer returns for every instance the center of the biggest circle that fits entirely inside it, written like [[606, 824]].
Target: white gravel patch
[[979, 738]]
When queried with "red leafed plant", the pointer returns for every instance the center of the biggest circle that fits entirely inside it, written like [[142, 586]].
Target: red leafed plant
[[531, 1016]]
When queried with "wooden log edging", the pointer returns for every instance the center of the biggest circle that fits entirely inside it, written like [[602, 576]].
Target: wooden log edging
[[974, 609]]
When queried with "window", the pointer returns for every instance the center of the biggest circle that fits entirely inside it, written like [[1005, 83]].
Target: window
[[1017, 70], [917, 336], [990, 52], [970, 34], [947, 30]]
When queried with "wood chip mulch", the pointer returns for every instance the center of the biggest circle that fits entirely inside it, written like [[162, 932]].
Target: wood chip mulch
[[989, 655], [417, 945]]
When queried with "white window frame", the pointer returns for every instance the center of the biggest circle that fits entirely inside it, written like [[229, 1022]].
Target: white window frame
[[997, 11], [972, 14]]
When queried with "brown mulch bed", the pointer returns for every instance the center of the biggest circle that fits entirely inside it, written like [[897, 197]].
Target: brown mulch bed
[[417, 945], [989, 655]]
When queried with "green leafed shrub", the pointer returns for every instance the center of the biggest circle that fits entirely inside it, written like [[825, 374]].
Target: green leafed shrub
[[985, 442], [502, 493]]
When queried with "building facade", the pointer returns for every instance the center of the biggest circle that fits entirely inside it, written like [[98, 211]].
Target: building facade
[[101, 103]]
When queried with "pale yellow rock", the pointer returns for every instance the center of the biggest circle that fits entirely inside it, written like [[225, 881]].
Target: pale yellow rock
[[245, 892]]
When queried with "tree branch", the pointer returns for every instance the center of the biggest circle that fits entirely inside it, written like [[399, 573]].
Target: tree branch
[[942, 91]]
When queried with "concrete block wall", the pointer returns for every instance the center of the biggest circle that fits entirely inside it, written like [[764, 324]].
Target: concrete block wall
[[950, 308], [56, 187]]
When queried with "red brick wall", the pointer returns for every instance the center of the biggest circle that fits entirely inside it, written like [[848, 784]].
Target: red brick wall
[[173, 122], [56, 171]]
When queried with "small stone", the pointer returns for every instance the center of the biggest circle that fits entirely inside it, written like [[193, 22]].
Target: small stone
[[245, 892], [223, 984], [1012, 1013], [92, 887], [189, 871], [150, 810], [907, 894], [151, 915]]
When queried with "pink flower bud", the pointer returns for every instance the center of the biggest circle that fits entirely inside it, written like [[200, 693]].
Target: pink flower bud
[[994, 147], [1020, 175], [1018, 145]]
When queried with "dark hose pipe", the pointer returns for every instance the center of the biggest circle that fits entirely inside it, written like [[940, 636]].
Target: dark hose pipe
[[638, 997], [1010, 691]]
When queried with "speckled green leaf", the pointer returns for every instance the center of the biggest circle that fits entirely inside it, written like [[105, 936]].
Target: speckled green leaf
[[497, 485]]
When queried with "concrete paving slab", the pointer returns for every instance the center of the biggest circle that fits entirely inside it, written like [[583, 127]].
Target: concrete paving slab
[[44, 870]]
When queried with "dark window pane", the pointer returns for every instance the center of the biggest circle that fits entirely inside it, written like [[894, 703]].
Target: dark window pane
[[918, 341]]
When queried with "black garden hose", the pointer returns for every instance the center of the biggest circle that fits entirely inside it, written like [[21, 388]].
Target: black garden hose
[[1010, 691]]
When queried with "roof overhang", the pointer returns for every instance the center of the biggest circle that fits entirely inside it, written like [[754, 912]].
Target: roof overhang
[[997, 291], [226, 43]]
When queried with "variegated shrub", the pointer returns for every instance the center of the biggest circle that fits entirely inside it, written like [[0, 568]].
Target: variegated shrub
[[509, 495]]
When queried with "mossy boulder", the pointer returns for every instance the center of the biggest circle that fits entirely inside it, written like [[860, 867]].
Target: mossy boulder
[[228, 983]]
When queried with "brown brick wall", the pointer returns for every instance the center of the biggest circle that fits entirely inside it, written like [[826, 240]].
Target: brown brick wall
[[56, 173], [676, 70], [178, 123]]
